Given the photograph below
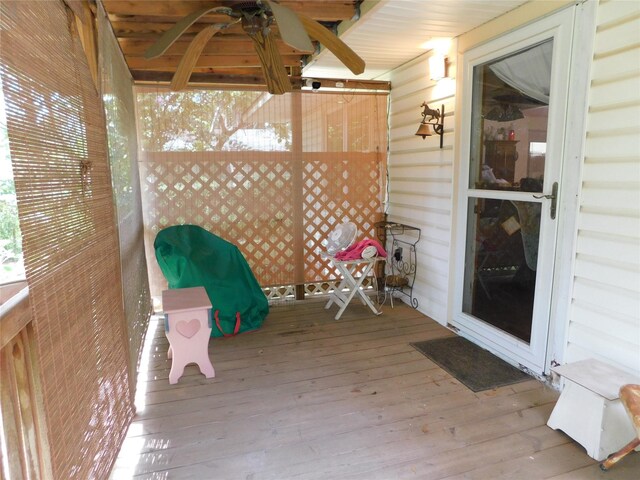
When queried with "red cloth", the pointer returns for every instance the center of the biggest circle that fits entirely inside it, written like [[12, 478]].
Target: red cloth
[[354, 252]]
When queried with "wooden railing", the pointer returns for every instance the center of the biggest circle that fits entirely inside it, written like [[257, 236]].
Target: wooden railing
[[23, 444]]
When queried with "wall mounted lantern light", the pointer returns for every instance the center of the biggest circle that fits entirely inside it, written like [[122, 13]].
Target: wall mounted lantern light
[[435, 120]]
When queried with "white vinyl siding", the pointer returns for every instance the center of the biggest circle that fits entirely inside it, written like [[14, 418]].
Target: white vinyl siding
[[604, 318], [603, 293], [421, 177]]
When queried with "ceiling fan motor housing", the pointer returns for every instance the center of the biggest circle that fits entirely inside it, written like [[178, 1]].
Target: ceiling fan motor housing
[[256, 24]]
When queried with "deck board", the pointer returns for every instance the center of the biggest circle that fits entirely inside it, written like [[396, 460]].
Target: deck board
[[308, 397]]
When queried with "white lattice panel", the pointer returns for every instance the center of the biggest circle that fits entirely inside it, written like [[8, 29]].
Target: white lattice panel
[[351, 191], [245, 201]]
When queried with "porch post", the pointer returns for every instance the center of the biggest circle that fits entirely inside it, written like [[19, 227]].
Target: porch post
[[297, 171]]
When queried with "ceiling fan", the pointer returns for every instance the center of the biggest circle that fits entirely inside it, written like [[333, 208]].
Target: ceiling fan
[[257, 17]]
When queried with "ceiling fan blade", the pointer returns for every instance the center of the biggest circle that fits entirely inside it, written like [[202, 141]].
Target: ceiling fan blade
[[190, 57], [273, 68], [291, 29], [340, 49], [170, 36]]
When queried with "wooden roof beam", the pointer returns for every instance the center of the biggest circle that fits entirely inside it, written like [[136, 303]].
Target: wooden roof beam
[[209, 80], [213, 79]]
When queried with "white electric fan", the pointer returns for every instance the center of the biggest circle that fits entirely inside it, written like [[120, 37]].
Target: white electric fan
[[341, 237]]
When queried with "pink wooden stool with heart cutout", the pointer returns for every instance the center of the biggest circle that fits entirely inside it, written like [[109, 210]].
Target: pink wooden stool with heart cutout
[[187, 323]]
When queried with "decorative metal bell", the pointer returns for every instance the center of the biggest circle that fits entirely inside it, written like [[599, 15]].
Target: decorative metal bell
[[424, 130]]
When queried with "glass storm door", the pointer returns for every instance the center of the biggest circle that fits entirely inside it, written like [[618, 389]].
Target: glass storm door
[[516, 89]]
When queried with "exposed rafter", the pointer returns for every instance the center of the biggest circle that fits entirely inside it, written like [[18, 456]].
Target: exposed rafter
[[229, 55]]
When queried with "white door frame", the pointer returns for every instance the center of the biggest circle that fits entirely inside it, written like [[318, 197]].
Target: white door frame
[[562, 26]]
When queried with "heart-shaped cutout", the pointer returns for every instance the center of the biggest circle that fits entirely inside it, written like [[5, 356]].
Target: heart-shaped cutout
[[188, 329]]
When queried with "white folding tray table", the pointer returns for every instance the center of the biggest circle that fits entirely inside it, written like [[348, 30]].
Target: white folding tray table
[[347, 269]]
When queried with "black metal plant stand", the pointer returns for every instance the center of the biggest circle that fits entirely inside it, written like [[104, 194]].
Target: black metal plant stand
[[400, 272]]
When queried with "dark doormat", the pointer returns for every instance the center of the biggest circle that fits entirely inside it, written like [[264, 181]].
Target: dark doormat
[[475, 367]]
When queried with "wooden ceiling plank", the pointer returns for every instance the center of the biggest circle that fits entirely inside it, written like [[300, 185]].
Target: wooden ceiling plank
[[142, 76], [219, 45], [162, 7], [153, 31], [169, 37], [248, 71], [208, 18], [327, 10], [213, 61]]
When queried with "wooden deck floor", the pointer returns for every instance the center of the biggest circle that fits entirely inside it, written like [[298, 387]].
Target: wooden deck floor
[[308, 397]]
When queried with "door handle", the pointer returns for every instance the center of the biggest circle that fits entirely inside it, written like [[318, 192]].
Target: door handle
[[554, 199]]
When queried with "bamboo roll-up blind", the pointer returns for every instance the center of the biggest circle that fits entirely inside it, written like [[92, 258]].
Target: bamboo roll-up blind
[[344, 165], [58, 149], [221, 160], [119, 104], [273, 174]]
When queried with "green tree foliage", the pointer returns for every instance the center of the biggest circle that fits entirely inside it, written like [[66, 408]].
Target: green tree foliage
[[117, 137], [203, 120], [10, 238], [6, 187]]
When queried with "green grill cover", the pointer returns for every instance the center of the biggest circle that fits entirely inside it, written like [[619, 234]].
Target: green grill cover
[[190, 256]]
